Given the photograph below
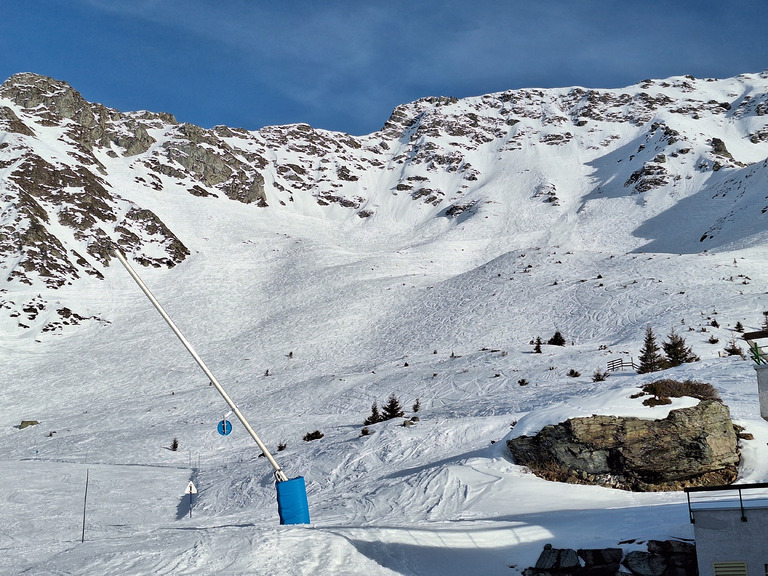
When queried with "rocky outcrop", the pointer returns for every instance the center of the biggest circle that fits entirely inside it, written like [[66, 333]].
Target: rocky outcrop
[[663, 558], [691, 446], [90, 125], [215, 164]]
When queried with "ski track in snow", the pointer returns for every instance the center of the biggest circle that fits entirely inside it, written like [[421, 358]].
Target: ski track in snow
[[343, 312]]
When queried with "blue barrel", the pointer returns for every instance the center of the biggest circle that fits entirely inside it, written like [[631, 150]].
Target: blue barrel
[[292, 505]]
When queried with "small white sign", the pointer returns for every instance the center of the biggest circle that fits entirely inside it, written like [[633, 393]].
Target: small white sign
[[191, 489]]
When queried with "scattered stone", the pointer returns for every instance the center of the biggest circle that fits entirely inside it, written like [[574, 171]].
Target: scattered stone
[[663, 558]]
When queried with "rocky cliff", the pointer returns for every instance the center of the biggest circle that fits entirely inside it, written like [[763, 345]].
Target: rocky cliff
[[75, 175], [690, 447]]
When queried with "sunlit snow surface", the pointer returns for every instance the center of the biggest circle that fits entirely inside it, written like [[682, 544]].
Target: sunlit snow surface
[[344, 312]]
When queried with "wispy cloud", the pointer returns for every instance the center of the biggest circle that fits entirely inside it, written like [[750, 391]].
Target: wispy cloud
[[345, 64]]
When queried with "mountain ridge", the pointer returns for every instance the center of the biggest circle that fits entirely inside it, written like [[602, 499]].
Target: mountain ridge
[[77, 175]]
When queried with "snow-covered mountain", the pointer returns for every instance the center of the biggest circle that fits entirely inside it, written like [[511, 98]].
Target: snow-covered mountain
[[318, 272]]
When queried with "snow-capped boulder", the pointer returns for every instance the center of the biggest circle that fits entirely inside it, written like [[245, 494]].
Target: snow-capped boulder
[[691, 446]]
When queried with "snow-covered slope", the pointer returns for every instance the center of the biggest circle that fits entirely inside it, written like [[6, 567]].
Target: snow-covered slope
[[419, 261]]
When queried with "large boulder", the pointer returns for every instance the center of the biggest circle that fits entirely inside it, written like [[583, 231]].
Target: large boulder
[[690, 447]]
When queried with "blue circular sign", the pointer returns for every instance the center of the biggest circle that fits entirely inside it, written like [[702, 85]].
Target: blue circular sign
[[225, 427]]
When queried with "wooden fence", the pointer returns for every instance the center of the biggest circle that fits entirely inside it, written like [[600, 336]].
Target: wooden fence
[[620, 364]]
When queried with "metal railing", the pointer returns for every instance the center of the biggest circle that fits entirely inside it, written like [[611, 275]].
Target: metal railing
[[730, 488]]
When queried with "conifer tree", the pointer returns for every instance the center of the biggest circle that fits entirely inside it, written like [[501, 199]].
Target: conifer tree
[[375, 415], [650, 358], [733, 349], [537, 345], [392, 409], [556, 340], [676, 351]]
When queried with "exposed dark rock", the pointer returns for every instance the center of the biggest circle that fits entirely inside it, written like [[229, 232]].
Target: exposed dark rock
[[94, 124], [199, 191], [645, 563], [651, 175], [458, 209], [153, 231], [663, 558], [9, 122], [718, 147], [691, 446]]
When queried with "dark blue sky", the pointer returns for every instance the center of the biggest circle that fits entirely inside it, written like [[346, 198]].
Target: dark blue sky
[[344, 65]]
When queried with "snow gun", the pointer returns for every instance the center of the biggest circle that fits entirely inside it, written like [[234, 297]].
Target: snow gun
[[292, 505]]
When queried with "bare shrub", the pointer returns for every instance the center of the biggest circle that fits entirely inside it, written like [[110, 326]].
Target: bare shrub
[[600, 375], [656, 401], [316, 435], [668, 388]]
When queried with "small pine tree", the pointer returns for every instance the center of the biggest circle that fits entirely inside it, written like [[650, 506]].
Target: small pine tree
[[537, 345], [599, 375], [650, 358], [392, 409], [175, 444], [676, 351], [375, 415], [416, 405], [556, 340], [739, 327], [734, 349]]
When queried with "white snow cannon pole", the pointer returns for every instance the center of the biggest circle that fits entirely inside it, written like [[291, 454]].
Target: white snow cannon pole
[[291, 494]]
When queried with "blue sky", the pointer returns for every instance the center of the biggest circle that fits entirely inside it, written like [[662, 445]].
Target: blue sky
[[344, 65]]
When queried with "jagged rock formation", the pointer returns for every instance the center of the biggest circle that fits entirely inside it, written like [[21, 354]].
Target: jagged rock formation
[[63, 164], [663, 558], [690, 447]]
